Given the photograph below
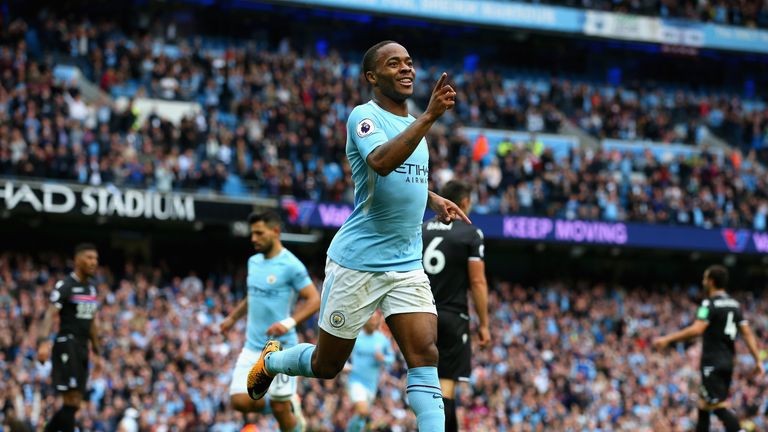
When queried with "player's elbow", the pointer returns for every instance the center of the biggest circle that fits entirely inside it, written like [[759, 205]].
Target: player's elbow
[[377, 165], [381, 170], [697, 329], [478, 286]]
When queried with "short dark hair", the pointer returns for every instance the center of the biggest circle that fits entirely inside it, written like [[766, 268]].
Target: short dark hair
[[456, 190], [369, 59], [719, 275], [269, 217], [82, 247]]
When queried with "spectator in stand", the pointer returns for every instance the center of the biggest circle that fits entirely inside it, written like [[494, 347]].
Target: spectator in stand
[[574, 355], [276, 126], [745, 14]]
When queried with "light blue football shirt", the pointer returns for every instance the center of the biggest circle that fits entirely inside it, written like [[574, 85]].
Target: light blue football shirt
[[383, 233], [273, 287], [365, 368]]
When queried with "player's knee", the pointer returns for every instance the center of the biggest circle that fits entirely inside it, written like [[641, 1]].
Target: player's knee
[[72, 398], [243, 403], [715, 406], [426, 356], [280, 407], [238, 403], [361, 409]]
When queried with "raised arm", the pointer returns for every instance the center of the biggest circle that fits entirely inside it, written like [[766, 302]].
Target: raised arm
[[390, 155]]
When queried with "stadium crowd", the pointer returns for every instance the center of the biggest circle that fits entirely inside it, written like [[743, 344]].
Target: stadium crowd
[[729, 12], [566, 356], [612, 185], [273, 123], [573, 356], [228, 76]]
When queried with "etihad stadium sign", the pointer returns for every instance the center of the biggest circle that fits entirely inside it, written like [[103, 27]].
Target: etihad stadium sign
[[60, 198]]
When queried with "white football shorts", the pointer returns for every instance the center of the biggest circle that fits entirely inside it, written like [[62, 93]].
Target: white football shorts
[[350, 297], [359, 393]]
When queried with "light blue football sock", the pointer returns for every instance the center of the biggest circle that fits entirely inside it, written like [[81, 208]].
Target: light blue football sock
[[294, 361], [268, 406], [297, 428], [356, 424], [426, 398]]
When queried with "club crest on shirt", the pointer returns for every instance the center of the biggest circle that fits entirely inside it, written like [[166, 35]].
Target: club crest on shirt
[[365, 128], [271, 279], [337, 319]]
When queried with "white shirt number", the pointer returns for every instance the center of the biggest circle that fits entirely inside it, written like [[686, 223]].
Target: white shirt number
[[434, 259], [730, 327]]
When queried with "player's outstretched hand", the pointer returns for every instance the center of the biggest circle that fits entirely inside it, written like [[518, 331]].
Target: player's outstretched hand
[[759, 369], [277, 329], [443, 97], [446, 211], [226, 325], [484, 335], [659, 343]]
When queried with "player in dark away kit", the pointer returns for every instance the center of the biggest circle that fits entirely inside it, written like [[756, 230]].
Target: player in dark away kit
[[453, 260], [74, 300], [718, 320]]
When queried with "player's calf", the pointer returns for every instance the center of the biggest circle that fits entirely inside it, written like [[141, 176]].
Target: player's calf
[[325, 369], [416, 334], [63, 420], [244, 404], [728, 419], [283, 412], [425, 398], [324, 360]]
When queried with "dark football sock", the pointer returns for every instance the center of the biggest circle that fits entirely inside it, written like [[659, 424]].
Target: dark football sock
[[703, 424], [63, 420], [451, 424], [729, 419]]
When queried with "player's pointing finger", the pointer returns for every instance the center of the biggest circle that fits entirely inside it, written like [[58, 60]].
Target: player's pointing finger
[[441, 81], [462, 216]]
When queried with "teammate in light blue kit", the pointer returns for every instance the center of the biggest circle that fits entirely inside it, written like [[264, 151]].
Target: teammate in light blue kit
[[372, 351], [276, 280], [374, 261]]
